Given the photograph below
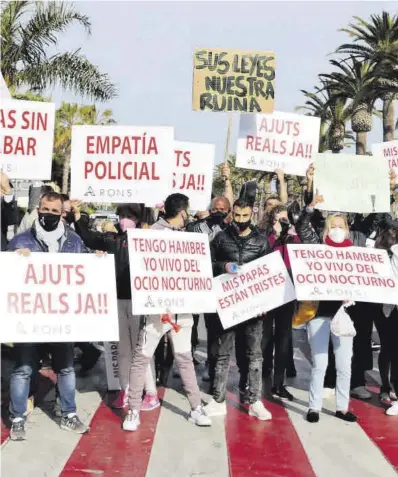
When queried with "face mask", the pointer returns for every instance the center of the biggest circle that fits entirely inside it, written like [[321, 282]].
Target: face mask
[[285, 225], [127, 224], [218, 217], [241, 226], [338, 235], [70, 217], [49, 222]]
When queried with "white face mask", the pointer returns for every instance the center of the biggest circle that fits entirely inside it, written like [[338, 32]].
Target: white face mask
[[337, 234]]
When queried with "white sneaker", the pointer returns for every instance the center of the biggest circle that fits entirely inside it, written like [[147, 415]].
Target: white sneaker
[[258, 410], [199, 417], [131, 421], [214, 408], [393, 410]]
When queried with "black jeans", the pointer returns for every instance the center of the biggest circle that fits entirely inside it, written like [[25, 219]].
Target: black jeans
[[214, 332], [362, 315], [251, 332], [387, 329], [282, 317]]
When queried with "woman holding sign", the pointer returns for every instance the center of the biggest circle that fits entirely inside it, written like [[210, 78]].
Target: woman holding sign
[[335, 234]]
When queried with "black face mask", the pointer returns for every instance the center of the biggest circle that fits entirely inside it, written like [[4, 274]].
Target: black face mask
[[217, 218], [49, 222], [70, 217], [241, 226], [285, 225]]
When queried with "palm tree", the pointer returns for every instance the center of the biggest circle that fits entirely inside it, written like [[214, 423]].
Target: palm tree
[[69, 115], [28, 30], [377, 41], [356, 81], [334, 114]]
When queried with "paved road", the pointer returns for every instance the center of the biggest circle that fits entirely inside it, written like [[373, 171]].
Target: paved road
[[237, 446]]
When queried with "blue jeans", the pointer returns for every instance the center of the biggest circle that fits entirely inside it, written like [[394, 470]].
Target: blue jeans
[[318, 331], [27, 363]]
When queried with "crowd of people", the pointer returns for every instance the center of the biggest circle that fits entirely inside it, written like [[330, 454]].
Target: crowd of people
[[148, 345]]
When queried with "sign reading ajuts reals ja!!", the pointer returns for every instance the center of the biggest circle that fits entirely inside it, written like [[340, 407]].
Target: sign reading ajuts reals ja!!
[[228, 80]]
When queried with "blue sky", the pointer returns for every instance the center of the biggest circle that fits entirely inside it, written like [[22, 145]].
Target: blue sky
[[147, 49]]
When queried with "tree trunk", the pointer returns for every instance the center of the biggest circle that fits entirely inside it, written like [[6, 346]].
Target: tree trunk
[[361, 143], [65, 174], [388, 120]]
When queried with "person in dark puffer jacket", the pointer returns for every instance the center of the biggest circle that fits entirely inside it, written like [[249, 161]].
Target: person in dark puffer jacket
[[335, 234], [240, 243]]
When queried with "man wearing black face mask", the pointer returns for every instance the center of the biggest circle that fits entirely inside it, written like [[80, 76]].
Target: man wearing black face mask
[[213, 224], [48, 234], [238, 244]]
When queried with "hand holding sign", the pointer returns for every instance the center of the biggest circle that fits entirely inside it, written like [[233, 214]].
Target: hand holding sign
[[318, 199]]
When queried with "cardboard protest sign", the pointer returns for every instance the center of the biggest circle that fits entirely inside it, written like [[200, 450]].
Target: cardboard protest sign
[[170, 271], [121, 164], [57, 297], [26, 139], [352, 273], [259, 286], [231, 80], [112, 365], [277, 141], [388, 150], [351, 183]]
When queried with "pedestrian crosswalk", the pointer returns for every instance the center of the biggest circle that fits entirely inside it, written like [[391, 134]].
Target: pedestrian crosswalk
[[167, 445]]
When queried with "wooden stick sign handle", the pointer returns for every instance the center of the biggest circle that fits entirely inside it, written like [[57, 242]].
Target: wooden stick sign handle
[[228, 138]]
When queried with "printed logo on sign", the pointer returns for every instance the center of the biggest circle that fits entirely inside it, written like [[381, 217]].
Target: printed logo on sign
[[166, 303]]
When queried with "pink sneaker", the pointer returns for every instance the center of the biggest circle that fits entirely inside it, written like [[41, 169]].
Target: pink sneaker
[[121, 401], [150, 402]]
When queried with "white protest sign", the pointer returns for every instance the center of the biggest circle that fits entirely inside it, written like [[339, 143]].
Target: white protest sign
[[351, 183], [388, 150], [121, 164], [170, 271], [57, 297], [112, 365], [26, 139], [259, 286], [277, 141], [192, 175], [350, 273]]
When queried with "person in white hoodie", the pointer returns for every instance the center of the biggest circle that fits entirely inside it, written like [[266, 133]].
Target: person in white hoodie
[[387, 327], [152, 330]]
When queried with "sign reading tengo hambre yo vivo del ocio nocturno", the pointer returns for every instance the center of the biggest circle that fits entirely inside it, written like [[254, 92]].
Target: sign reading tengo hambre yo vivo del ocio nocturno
[[121, 164]]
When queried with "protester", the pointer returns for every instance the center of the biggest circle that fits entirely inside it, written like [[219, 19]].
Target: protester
[[31, 215], [130, 217], [240, 243], [335, 234], [278, 322], [152, 330], [9, 208], [387, 327], [48, 234], [214, 222]]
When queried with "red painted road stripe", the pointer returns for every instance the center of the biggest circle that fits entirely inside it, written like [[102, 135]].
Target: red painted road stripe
[[381, 429], [109, 451], [5, 433], [264, 448]]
